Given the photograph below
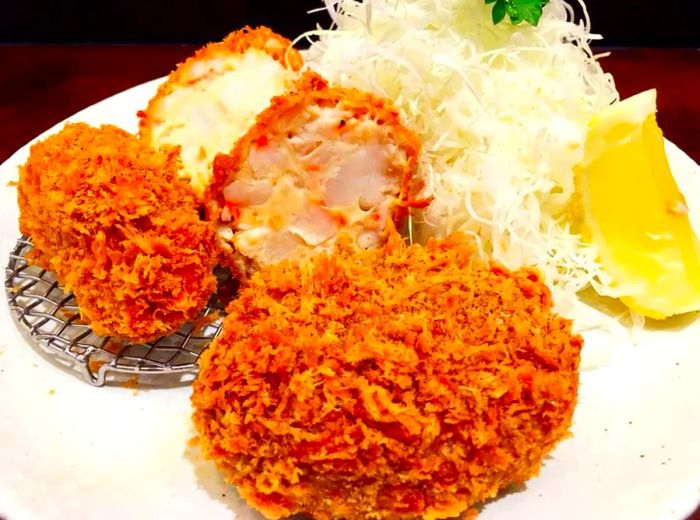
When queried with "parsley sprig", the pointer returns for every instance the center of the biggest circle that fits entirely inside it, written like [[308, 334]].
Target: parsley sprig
[[518, 11]]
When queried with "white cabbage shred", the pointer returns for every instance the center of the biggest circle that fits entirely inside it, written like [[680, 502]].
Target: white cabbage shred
[[501, 112]]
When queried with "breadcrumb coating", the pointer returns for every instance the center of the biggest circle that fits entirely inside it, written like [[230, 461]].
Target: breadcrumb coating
[[211, 99], [111, 218], [320, 160], [395, 383]]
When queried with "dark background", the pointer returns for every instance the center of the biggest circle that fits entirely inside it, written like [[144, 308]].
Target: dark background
[[649, 23]]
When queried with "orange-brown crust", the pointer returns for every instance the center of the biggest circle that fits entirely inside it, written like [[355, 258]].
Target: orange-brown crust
[[312, 90], [238, 42], [399, 383], [113, 220]]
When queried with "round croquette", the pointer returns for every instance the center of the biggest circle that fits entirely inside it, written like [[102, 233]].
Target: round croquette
[[111, 218], [398, 383]]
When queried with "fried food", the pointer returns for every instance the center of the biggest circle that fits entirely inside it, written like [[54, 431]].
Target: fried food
[[212, 98], [396, 383], [319, 160], [112, 219]]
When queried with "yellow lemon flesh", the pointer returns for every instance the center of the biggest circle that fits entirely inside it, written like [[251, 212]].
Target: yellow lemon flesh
[[634, 212]]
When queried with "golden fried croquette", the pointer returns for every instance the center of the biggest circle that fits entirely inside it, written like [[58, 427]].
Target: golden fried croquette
[[319, 160], [396, 383], [212, 98], [112, 219]]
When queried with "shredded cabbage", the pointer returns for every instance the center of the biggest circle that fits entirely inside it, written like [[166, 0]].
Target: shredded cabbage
[[501, 111]]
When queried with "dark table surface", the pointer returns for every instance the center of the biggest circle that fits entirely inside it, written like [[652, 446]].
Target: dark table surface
[[43, 84]]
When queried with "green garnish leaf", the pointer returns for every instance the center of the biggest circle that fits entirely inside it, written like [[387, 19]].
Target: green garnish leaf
[[499, 12], [518, 11]]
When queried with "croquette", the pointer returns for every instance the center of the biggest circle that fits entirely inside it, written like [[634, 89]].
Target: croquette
[[113, 220], [211, 99], [403, 382], [319, 161]]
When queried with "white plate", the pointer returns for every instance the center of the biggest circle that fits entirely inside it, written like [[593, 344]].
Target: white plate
[[69, 450]]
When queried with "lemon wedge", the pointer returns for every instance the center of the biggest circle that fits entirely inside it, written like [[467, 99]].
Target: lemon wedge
[[634, 212]]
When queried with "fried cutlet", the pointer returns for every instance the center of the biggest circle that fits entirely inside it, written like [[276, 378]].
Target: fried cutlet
[[394, 383], [111, 217]]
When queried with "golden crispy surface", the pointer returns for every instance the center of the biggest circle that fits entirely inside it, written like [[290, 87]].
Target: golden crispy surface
[[111, 218], [215, 59], [398, 383]]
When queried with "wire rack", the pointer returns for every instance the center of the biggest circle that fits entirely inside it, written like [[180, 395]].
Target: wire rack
[[50, 319]]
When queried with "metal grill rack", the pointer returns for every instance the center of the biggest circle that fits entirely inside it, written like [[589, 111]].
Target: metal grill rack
[[49, 318]]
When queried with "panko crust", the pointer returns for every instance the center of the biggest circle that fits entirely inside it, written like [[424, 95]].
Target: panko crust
[[238, 42], [398, 383], [112, 219]]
